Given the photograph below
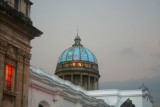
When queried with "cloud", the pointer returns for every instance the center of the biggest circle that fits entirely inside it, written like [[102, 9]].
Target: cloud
[[127, 51], [151, 83], [155, 68], [156, 55]]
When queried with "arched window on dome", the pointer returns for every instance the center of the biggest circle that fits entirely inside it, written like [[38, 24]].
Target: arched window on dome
[[79, 64], [65, 65]]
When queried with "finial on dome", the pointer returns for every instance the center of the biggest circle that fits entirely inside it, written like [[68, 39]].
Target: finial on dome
[[77, 37], [77, 31]]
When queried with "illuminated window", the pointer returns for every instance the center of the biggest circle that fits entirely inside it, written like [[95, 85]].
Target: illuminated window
[[9, 72], [74, 64], [89, 65], [79, 64]]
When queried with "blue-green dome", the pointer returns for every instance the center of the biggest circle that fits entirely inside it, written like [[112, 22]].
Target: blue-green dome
[[143, 87], [77, 53]]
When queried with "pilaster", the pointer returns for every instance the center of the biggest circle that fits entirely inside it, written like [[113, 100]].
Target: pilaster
[[81, 76], [94, 83], [2, 63]]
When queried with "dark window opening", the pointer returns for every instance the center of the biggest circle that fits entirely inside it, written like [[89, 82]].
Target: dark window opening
[[16, 4], [40, 105]]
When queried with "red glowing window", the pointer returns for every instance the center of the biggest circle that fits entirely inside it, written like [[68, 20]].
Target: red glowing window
[[9, 72]]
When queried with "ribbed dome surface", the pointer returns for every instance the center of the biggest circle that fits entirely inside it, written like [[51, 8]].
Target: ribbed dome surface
[[77, 53]]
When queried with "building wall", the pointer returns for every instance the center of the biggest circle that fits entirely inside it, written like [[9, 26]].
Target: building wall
[[117, 97], [36, 96], [15, 46], [146, 102], [136, 100], [15, 36], [111, 100], [58, 92]]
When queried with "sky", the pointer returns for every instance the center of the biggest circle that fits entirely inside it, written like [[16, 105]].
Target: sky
[[124, 35]]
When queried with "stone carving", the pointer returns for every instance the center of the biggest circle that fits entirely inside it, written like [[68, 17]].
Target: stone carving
[[24, 56], [11, 51]]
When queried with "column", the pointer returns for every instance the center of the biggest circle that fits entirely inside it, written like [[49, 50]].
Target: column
[[2, 76], [71, 78], [94, 83], [88, 82], [81, 80], [97, 84]]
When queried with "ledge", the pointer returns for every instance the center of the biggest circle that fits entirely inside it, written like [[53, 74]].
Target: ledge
[[10, 93]]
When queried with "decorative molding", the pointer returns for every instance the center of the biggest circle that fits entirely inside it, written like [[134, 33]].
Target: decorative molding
[[11, 51], [3, 45]]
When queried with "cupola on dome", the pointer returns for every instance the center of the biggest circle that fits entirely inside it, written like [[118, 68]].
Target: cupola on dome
[[77, 53]]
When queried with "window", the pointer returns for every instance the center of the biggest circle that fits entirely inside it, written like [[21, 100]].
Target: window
[[79, 64], [40, 105], [27, 8], [65, 65], [74, 64], [9, 72], [16, 4]]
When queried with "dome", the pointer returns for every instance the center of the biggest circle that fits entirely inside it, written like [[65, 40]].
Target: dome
[[77, 53], [143, 88], [78, 65]]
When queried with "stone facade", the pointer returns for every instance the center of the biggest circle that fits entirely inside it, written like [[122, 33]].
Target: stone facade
[[16, 32]]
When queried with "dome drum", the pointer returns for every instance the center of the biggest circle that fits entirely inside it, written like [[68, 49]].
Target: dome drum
[[77, 66]]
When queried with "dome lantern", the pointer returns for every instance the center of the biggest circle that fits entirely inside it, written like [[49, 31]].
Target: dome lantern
[[77, 40]]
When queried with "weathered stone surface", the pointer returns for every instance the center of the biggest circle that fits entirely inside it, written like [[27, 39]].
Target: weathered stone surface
[[15, 49]]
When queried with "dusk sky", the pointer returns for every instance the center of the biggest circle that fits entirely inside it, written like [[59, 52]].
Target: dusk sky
[[124, 35]]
